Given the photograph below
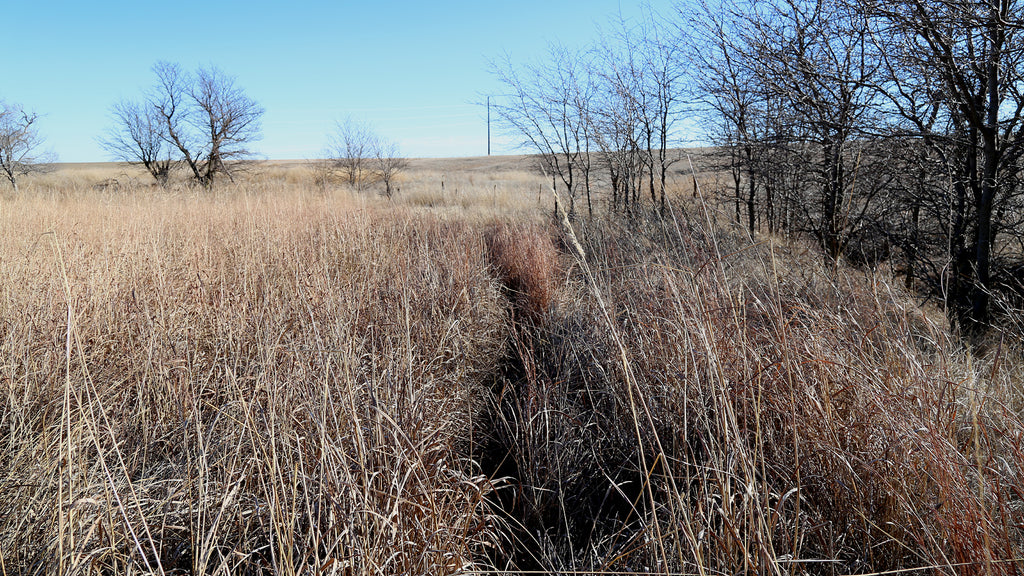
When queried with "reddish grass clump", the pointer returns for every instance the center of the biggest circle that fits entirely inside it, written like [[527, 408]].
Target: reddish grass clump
[[526, 261]]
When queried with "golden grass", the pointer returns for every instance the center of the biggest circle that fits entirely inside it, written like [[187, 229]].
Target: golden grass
[[280, 377], [216, 383]]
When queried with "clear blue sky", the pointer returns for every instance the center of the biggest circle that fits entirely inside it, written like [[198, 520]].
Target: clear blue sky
[[412, 70]]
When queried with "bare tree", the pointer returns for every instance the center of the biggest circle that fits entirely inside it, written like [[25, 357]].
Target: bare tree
[[955, 84], [736, 107], [203, 121], [795, 79], [818, 58], [911, 113], [642, 89], [389, 163], [614, 122], [138, 137], [361, 157], [661, 79], [548, 106], [351, 149], [19, 142], [170, 99], [227, 120]]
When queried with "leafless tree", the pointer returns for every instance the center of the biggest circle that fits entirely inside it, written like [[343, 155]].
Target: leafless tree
[[138, 136], [817, 57], [615, 120], [227, 118], [796, 79], [955, 84], [613, 126], [200, 120], [19, 142], [548, 106], [638, 98], [662, 82], [389, 163], [351, 150], [736, 108], [911, 113]]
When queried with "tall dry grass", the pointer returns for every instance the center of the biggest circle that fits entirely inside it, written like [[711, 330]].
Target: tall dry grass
[[246, 383], [275, 377], [705, 404]]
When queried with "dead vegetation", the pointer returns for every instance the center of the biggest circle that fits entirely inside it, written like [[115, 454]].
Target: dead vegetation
[[275, 378]]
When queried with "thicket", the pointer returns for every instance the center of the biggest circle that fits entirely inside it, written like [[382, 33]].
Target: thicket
[[885, 131]]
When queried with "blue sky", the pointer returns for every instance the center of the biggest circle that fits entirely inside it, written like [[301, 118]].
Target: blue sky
[[411, 70]]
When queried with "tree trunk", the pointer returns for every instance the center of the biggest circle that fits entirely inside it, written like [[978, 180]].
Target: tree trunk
[[737, 178], [751, 208], [990, 173], [751, 193], [833, 201], [912, 247], [983, 238], [959, 258]]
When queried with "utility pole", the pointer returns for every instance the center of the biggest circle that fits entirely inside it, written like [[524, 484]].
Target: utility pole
[[488, 125]]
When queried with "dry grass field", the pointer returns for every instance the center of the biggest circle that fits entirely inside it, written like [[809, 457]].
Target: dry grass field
[[279, 377]]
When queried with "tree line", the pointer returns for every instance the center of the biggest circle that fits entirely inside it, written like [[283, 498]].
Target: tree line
[[202, 123], [611, 109], [886, 131]]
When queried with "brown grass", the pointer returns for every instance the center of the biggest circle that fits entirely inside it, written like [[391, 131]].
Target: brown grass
[[526, 262], [276, 377], [240, 383]]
